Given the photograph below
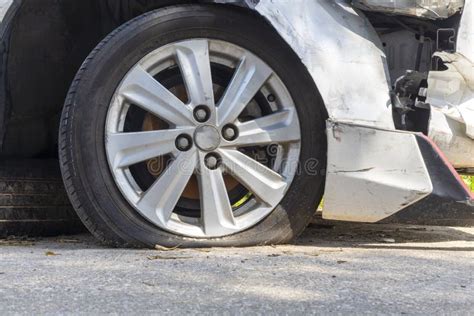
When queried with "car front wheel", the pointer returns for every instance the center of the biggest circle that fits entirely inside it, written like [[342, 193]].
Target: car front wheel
[[193, 126]]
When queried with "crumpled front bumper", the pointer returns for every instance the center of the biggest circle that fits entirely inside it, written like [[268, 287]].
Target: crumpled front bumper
[[377, 175]]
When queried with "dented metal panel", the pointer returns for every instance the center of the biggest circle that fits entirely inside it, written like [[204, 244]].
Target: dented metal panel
[[372, 173], [428, 9], [373, 170], [342, 52]]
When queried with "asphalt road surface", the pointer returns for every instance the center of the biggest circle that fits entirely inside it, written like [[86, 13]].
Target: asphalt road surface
[[342, 269]]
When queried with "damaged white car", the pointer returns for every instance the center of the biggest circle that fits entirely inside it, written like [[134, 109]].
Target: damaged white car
[[224, 123]]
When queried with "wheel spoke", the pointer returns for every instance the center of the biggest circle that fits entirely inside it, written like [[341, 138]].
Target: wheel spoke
[[161, 199], [126, 149], [250, 76], [217, 215], [265, 183], [193, 60], [276, 128], [141, 89]]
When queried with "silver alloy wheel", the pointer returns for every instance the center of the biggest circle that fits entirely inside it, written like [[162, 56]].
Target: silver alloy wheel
[[216, 140]]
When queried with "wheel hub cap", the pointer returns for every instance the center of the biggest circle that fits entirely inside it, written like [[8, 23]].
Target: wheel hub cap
[[207, 138]]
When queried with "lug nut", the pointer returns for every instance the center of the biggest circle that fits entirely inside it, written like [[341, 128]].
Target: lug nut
[[230, 132], [202, 114], [184, 142], [212, 161]]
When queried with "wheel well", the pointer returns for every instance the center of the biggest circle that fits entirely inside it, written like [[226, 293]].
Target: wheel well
[[48, 41]]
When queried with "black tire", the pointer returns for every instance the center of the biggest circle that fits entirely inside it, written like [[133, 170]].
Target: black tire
[[87, 176], [33, 201]]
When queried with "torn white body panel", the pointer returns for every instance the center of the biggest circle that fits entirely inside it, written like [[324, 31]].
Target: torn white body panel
[[428, 9], [343, 54], [452, 91], [451, 95], [372, 173]]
